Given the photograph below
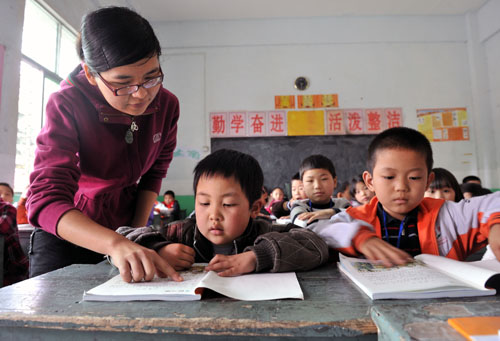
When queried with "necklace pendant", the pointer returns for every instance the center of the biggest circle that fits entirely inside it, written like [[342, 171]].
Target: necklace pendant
[[134, 126], [129, 137]]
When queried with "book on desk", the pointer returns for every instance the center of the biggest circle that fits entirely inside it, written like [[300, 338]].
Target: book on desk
[[249, 287], [428, 276]]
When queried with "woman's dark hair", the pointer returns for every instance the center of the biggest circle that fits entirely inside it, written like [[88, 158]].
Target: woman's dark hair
[[227, 163], [115, 36], [444, 178]]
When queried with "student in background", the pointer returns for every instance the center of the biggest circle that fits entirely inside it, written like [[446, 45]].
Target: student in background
[[400, 223], [344, 191], [360, 193], [15, 262], [106, 144], [276, 195], [282, 208], [225, 233], [6, 192], [471, 178], [319, 178], [169, 208], [22, 213], [444, 186], [473, 189]]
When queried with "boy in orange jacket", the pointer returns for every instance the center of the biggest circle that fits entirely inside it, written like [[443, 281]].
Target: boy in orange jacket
[[399, 222]]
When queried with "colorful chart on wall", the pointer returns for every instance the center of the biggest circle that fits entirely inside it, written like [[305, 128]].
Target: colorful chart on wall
[[445, 124]]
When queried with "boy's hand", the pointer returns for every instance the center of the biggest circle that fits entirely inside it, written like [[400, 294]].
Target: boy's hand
[[494, 240], [180, 256], [138, 263], [378, 250], [312, 216], [233, 265]]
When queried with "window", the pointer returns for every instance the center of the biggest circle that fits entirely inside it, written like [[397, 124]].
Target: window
[[48, 56]]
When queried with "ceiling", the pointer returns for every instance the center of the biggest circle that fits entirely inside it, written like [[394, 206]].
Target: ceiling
[[181, 10]]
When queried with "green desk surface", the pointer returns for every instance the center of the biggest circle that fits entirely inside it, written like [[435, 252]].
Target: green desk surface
[[49, 307], [427, 319]]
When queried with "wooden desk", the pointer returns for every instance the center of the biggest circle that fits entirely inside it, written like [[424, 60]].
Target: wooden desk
[[50, 307], [427, 319]]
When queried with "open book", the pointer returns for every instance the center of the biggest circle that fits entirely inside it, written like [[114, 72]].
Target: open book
[[250, 287], [428, 276]]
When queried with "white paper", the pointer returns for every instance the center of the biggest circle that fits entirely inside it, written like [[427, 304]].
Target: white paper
[[250, 287]]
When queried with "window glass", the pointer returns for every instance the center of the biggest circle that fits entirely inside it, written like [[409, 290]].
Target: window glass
[[29, 122], [48, 56], [68, 59], [39, 36], [50, 86]]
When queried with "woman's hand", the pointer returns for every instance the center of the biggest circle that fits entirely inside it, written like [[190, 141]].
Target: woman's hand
[[138, 263], [234, 265], [179, 256]]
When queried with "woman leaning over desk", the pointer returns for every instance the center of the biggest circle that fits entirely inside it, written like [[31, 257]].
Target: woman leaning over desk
[[108, 139]]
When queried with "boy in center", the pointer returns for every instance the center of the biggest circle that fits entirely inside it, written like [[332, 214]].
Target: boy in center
[[224, 231], [319, 180]]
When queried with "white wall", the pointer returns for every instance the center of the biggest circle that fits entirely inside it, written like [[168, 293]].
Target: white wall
[[489, 37], [412, 62], [11, 26]]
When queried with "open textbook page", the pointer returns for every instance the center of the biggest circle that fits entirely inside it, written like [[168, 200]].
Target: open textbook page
[[427, 277], [250, 287]]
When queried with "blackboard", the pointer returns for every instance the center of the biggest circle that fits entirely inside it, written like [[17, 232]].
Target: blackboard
[[280, 157]]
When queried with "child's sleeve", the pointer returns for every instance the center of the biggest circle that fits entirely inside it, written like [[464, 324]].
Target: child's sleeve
[[343, 233], [296, 250], [297, 209], [145, 236], [463, 228]]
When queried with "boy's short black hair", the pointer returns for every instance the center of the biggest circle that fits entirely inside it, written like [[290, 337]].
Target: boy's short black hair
[[296, 176], [244, 168], [474, 189], [8, 186], [314, 162], [169, 192], [471, 178], [400, 138]]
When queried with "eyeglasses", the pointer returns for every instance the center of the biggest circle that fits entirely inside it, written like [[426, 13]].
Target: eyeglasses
[[130, 89]]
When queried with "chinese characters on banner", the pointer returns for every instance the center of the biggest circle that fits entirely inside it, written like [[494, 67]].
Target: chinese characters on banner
[[296, 123], [448, 124]]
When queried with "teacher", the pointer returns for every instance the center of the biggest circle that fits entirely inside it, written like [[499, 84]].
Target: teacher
[[106, 144]]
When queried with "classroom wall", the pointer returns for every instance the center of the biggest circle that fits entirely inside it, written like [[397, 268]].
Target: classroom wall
[[11, 25], [411, 62], [488, 27]]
